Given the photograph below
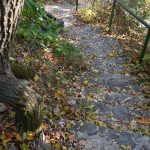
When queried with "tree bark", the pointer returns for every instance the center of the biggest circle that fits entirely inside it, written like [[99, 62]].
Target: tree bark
[[22, 99]]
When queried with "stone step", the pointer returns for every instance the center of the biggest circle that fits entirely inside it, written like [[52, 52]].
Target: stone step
[[111, 65], [119, 81], [101, 138]]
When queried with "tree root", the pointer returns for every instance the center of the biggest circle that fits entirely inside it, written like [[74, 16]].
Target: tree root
[[23, 100]]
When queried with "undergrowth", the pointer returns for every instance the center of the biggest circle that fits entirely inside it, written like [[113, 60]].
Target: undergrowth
[[38, 39], [37, 28]]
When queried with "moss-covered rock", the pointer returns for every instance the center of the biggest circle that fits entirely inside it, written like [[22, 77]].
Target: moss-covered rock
[[21, 71]]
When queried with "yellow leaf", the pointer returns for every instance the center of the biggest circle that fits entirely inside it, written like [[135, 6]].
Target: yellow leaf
[[64, 148], [49, 85], [5, 140], [77, 114], [90, 96], [36, 78], [101, 123], [127, 74], [124, 147], [138, 117], [81, 123], [43, 126], [53, 140], [3, 137], [18, 137], [57, 145], [30, 136], [85, 83], [93, 116], [133, 127], [113, 53]]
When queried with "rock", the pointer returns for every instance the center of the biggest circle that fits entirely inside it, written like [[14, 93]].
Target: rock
[[2, 107], [97, 142], [60, 22], [121, 113], [87, 129], [125, 138], [143, 144]]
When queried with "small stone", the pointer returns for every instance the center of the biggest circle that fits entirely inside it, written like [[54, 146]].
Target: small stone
[[2, 107]]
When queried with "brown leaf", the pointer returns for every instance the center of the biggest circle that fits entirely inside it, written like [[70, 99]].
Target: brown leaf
[[59, 93], [57, 135]]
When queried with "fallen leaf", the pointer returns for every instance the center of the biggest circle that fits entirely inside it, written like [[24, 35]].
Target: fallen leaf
[[90, 96], [143, 121], [57, 135], [59, 93], [36, 78], [57, 145], [138, 117], [124, 147], [49, 85], [77, 114], [101, 123], [85, 83], [53, 140], [18, 137], [64, 148], [81, 123], [43, 126], [30, 136]]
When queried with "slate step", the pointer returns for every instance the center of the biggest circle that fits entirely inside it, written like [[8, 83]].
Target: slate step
[[111, 65], [116, 80], [101, 138], [112, 106]]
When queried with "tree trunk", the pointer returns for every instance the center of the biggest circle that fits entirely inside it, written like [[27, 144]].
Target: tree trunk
[[22, 99]]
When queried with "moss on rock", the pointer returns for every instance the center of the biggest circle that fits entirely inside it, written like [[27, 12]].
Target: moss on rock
[[21, 71]]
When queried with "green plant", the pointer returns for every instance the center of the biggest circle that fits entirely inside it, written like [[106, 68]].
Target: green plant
[[37, 28], [138, 68], [35, 24], [147, 59]]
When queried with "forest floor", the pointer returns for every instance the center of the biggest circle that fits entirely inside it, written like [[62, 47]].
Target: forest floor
[[101, 107]]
